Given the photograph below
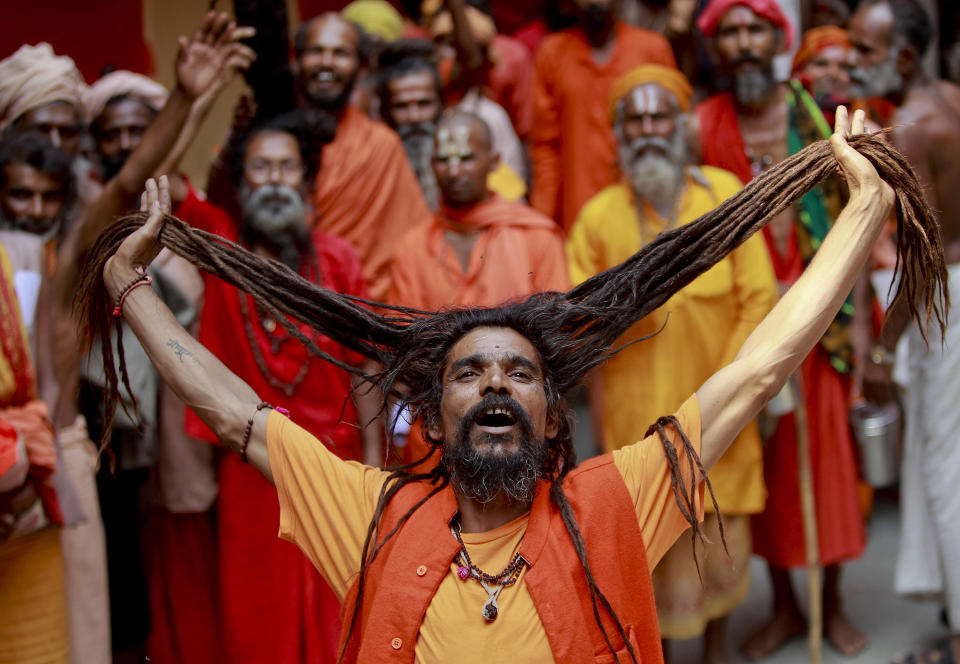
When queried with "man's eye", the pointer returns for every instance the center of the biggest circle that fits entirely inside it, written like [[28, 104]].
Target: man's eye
[[522, 375]]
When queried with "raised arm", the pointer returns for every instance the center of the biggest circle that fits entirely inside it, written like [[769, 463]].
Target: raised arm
[[735, 394], [222, 400], [201, 64]]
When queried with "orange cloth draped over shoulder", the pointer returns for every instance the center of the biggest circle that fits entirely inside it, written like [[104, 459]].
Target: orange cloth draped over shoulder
[[518, 252], [572, 146], [367, 194]]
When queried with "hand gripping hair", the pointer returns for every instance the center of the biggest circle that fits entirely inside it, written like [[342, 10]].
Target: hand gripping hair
[[573, 331]]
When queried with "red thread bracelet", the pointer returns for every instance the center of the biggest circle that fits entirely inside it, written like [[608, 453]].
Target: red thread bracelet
[[141, 280]]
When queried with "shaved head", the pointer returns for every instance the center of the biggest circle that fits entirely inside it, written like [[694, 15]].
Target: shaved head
[[327, 60], [466, 123], [463, 157]]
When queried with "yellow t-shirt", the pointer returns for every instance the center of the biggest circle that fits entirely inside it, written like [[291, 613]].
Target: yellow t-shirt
[[326, 505], [703, 325]]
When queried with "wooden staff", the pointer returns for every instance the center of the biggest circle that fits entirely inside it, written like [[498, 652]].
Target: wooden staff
[[809, 512]]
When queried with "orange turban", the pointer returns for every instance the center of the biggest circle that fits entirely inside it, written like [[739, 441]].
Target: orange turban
[[667, 78], [768, 9], [817, 39]]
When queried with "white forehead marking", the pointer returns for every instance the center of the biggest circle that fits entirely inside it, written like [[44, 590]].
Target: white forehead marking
[[646, 98], [454, 143]]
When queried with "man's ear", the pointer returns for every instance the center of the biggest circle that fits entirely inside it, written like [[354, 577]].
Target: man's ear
[[553, 426], [907, 61], [434, 433], [494, 163]]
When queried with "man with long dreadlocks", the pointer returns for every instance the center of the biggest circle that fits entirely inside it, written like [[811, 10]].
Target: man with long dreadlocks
[[506, 546], [758, 124], [697, 332]]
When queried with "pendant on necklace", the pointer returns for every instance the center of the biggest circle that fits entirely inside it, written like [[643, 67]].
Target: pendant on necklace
[[490, 610], [269, 325]]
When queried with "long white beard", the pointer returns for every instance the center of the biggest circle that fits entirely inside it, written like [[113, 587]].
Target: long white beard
[[418, 145], [656, 176]]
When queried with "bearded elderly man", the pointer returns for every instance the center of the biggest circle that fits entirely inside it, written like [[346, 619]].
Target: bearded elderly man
[[365, 191], [889, 40], [411, 102], [745, 131], [282, 611], [419, 557], [702, 327]]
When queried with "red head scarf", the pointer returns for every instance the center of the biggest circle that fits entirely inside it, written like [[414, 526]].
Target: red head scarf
[[768, 9], [815, 40]]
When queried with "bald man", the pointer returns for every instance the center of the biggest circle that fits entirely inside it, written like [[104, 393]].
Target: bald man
[[366, 192], [889, 39]]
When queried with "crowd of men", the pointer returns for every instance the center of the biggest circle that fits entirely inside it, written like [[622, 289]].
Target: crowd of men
[[421, 158]]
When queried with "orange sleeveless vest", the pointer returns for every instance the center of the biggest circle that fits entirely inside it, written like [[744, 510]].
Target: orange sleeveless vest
[[403, 579]]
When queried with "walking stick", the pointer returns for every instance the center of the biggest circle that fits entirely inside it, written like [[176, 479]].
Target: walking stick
[[809, 512]]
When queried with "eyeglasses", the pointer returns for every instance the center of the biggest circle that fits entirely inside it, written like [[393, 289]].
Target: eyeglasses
[[259, 171]]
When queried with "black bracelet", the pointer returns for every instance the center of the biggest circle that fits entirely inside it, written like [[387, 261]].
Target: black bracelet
[[249, 428]]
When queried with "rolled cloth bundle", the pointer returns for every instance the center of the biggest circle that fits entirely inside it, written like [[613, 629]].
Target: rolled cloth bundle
[[574, 331]]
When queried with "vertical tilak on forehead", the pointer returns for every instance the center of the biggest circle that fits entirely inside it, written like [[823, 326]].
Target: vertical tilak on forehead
[[453, 145], [646, 98]]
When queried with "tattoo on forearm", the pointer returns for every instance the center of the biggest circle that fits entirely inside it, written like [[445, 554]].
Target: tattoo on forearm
[[179, 349]]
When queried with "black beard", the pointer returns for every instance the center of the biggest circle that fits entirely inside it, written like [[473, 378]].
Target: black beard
[[483, 475], [330, 103], [753, 88], [112, 165], [597, 19]]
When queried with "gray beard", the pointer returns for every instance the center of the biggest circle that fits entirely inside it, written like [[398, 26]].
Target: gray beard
[[655, 176], [273, 215], [752, 88], [40, 227], [876, 81], [418, 142]]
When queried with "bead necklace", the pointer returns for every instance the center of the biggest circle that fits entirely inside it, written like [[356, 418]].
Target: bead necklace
[[312, 273], [492, 583]]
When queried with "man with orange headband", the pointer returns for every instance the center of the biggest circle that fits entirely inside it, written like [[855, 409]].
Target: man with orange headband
[[746, 130], [820, 65], [703, 325]]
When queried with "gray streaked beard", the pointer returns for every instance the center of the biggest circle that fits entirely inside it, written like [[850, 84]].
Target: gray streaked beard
[[752, 88], [417, 140], [656, 176], [274, 215], [879, 80]]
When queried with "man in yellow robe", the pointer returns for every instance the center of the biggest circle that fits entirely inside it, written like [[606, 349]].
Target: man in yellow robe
[[697, 331]]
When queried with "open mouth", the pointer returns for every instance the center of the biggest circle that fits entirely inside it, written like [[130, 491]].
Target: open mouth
[[496, 419]]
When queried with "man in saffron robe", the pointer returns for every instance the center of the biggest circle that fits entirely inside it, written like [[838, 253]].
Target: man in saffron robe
[[745, 131], [283, 611], [365, 191], [572, 146], [702, 326], [478, 249]]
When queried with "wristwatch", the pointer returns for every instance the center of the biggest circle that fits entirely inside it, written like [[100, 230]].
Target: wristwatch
[[880, 355]]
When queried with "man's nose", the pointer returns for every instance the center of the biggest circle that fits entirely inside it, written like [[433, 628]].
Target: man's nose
[[494, 382], [36, 205], [54, 136], [646, 125], [126, 140], [743, 41]]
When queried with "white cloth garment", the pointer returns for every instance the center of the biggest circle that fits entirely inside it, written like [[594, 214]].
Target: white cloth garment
[[929, 559]]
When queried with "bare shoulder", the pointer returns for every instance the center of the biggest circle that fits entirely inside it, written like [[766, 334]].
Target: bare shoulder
[[929, 117]]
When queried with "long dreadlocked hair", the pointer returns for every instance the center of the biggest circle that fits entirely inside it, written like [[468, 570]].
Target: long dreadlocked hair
[[573, 332]]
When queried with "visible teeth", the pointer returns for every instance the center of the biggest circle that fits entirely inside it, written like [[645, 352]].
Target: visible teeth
[[325, 76]]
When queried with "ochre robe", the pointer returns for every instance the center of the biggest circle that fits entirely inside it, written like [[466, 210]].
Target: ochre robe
[[572, 146], [367, 194], [518, 252], [274, 606]]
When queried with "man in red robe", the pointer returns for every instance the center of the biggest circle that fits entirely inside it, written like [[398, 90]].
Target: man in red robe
[[745, 131], [283, 611], [572, 147], [366, 192]]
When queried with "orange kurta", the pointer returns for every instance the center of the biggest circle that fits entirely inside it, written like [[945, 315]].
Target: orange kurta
[[367, 194], [518, 252], [572, 145]]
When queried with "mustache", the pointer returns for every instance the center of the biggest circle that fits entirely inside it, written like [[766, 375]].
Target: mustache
[[412, 129], [747, 58], [639, 145], [507, 403]]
